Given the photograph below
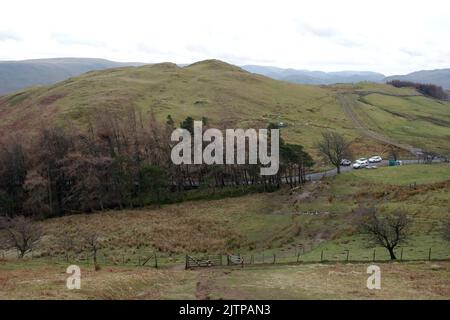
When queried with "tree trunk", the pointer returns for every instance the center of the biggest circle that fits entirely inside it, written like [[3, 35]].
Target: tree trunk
[[338, 167], [392, 254]]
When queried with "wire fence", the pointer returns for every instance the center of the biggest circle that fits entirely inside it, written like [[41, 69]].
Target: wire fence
[[156, 259], [336, 256]]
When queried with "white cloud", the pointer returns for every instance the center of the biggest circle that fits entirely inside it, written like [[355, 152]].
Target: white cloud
[[386, 36], [9, 36]]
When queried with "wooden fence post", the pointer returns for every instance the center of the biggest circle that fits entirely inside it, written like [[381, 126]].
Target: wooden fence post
[[321, 256], [429, 255], [274, 258], [348, 254], [186, 263], [156, 261], [401, 255], [298, 257], [374, 254]]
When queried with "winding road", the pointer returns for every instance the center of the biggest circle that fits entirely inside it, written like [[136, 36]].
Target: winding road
[[333, 172]]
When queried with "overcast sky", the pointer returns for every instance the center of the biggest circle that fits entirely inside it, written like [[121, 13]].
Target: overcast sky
[[385, 36]]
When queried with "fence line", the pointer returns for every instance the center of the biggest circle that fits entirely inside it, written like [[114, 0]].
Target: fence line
[[299, 255]]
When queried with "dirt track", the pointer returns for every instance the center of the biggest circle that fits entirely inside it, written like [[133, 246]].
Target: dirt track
[[347, 103]]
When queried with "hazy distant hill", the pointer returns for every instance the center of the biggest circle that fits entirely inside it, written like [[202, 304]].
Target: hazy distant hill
[[16, 75], [315, 77], [440, 77]]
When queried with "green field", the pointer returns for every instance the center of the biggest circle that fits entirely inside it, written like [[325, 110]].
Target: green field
[[415, 120]]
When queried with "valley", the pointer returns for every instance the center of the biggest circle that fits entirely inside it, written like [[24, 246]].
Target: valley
[[255, 225], [304, 240]]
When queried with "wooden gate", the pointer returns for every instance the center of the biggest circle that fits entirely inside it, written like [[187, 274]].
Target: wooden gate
[[234, 259], [205, 261]]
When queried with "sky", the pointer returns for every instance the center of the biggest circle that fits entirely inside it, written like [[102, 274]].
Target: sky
[[391, 37]]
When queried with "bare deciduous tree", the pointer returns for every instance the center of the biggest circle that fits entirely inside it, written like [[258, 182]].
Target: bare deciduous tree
[[22, 234], [387, 231], [92, 243], [334, 148], [67, 243]]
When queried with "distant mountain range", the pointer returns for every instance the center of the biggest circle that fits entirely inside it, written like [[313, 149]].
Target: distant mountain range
[[315, 77], [440, 77], [16, 75]]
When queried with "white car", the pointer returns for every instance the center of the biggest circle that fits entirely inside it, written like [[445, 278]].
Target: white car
[[345, 162], [360, 163], [375, 159]]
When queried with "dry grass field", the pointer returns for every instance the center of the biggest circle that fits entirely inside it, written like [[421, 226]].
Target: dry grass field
[[316, 281]]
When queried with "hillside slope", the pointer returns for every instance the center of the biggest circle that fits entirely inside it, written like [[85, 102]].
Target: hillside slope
[[16, 75], [440, 77], [229, 97]]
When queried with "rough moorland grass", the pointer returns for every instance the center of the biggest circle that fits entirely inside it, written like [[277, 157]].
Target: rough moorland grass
[[48, 281], [312, 281], [342, 281]]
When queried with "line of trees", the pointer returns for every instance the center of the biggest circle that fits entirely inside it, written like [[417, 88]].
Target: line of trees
[[427, 89], [23, 234], [115, 162]]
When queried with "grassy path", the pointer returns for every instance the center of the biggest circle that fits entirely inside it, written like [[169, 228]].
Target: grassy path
[[346, 103]]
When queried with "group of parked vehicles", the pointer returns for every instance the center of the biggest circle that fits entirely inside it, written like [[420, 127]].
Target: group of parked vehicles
[[363, 162]]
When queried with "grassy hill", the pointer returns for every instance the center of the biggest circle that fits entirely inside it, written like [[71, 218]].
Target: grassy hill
[[402, 115], [231, 97], [17, 75], [316, 221]]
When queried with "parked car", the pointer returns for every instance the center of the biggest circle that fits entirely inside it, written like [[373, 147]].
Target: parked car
[[375, 159], [345, 162], [360, 163]]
